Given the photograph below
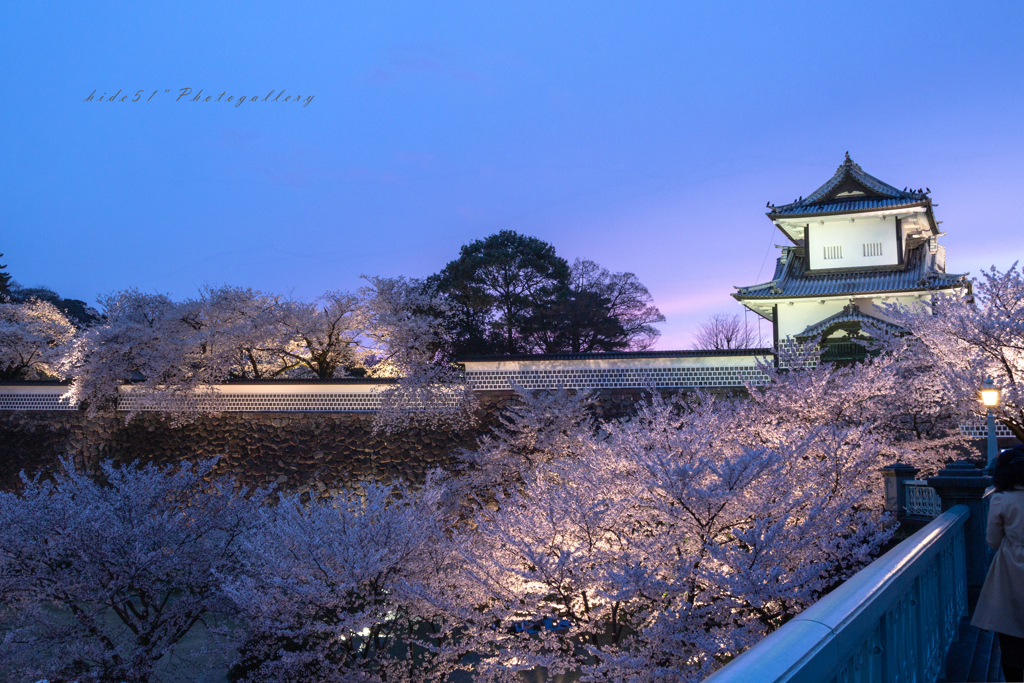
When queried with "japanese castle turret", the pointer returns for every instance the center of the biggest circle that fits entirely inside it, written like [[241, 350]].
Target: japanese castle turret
[[857, 243]]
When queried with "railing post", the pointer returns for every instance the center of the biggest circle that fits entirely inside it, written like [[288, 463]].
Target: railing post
[[895, 492], [961, 483]]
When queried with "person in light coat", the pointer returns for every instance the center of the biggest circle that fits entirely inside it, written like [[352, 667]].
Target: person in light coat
[[1001, 603]]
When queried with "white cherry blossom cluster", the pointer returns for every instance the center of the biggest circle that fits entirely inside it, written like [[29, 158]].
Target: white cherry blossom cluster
[[34, 339]]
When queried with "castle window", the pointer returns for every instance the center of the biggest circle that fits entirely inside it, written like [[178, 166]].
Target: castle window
[[833, 252], [872, 248]]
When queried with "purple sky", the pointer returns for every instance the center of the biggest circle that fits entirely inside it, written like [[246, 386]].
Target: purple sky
[[645, 136]]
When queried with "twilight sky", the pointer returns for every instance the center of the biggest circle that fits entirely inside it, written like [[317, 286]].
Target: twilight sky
[[645, 136]]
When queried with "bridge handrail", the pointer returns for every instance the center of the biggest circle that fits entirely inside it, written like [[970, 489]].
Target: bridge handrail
[[893, 620]]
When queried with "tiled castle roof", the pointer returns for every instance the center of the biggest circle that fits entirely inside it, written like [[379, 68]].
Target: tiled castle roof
[[850, 189], [791, 280]]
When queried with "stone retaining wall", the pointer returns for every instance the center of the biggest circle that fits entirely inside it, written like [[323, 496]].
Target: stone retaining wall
[[299, 451]]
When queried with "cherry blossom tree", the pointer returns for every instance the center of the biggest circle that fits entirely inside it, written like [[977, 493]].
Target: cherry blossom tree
[[403, 326], [333, 590], [653, 548], [102, 581], [406, 329], [166, 348], [534, 429], [34, 337], [175, 353], [969, 337], [893, 393], [433, 396], [247, 328], [649, 548], [324, 335]]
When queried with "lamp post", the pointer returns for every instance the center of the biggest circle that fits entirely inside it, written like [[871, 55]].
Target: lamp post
[[989, 394]]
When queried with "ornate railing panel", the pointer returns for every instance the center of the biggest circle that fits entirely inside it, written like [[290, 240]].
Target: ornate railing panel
[[921, 499], [893, 621]]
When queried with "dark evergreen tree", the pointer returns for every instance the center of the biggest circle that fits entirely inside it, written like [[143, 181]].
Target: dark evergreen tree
[[578, 322], [599, 311], [77, 311], [496, 287], [5, 283], [509, 293]]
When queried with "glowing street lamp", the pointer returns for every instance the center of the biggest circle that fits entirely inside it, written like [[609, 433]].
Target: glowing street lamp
[[989, 394]]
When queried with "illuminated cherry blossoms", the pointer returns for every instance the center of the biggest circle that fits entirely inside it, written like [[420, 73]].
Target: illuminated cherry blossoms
[[647, 548]]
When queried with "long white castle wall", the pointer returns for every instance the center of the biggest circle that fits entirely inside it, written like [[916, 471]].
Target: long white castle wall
[[251, 398], [35, 397], [687, 372], [365, 396], [611, 373], [243, 398]]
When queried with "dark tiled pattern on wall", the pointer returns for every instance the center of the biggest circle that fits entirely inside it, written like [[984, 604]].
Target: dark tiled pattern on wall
[[12, 401], [262, 403], [724, 376]]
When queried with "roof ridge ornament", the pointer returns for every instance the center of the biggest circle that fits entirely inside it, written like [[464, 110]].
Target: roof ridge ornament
[[848, 163]]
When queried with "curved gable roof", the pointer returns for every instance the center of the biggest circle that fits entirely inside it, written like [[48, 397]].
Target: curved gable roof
[[850, 189], [851, 313]]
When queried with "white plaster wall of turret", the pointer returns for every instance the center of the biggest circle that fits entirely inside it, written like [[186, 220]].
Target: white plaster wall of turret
[[843, 242], [852, 232]]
